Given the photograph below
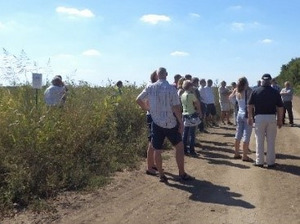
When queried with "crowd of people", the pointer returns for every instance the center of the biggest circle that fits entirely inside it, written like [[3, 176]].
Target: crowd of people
[[176, 111]]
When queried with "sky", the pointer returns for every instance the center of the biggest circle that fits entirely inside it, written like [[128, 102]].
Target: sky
[[103, 41]]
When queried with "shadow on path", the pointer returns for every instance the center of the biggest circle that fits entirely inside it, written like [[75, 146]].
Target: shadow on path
[[207, 192]]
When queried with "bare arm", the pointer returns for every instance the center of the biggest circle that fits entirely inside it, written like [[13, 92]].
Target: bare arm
[[177, 111], [279, 116], [143, 104], [250, 108]]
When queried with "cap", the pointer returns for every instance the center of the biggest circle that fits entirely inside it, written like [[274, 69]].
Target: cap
[[266, 77]]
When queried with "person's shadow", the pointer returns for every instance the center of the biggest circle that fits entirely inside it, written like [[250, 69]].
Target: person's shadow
[[207, 192]]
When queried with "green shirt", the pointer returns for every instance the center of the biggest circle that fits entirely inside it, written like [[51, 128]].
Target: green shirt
[[187, 101]]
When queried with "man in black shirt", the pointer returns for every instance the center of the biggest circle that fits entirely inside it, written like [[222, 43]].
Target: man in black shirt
[[268, 106]]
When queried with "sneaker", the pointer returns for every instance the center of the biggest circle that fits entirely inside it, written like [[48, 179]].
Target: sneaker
[[163, 179], [259, 165], [186, 177], [272, 166], [193, 154]]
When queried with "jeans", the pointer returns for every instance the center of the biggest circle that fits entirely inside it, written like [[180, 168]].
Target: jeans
[[265, 127], [189, 136], [243, 129]]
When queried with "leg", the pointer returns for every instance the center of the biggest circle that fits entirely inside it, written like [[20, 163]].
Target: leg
[[192, 138], [290, 112], [158, 161], [150, 156], [260, 139], [271, 136], [185, 138], [179, 157]]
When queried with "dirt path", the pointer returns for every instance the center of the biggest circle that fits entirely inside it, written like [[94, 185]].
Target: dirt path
[[225, 191]]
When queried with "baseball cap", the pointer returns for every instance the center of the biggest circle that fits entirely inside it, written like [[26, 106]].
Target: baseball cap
[[266, 77]]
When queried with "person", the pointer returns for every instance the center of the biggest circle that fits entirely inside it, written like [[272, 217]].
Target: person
[[188, 77], [234, 103], [257, 85], [224, 103], [119, 86], [203, 104], [210, 104], [54, 95], [195, 82], [266, 103], [287, 97], [151, 168], [176, 79], [190, 108], [180, 90], [275, 85], [165, 109], [243, 130], [66, 89]]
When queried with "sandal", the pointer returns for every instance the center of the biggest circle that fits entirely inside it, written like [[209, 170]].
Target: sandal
[[186, 177], [248, 159], [237, 156]]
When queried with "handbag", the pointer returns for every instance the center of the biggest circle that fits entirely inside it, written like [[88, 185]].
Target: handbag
[[191, 120]]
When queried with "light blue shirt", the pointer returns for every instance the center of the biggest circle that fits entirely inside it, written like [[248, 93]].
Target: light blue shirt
[[53, 95]]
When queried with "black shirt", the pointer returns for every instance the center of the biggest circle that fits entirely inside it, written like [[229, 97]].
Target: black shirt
[[265, 100]]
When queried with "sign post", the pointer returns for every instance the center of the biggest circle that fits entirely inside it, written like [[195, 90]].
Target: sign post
[[36, 84]]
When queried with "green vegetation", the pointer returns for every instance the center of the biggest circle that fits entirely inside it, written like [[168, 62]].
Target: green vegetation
[[290, 72], [47, 150]]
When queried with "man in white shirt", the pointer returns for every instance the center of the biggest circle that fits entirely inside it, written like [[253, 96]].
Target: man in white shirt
[[165, 109], [54, 95], [210, 104]]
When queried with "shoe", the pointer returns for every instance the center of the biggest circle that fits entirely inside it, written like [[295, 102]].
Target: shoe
[[215, 125], [193, 154], [163, 179], [186, 153], [271, 166], [229, 123], [259, 165], [151, 173], [186, 177], [204, 131], [248, 159], [237, 156], [291, 125]]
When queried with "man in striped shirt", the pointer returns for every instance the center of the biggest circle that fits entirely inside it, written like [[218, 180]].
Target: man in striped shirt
[[165, 109]]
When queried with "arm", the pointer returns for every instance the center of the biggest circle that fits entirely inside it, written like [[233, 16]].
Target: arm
[[250, 108], [232, 93], [143, 104], [198, 107], [177, 112], [279, 111]]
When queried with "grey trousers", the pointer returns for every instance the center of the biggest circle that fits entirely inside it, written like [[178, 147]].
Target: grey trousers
[[265, 128]]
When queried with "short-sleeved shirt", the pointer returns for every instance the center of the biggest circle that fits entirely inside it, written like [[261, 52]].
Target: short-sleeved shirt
[[202, 94], [161, 97], [53, 95], [223, 95], [265, 100], [187, 101], [288, 96], [210, 97]]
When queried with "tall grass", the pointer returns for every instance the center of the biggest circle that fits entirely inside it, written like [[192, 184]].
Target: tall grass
[[46, 150]]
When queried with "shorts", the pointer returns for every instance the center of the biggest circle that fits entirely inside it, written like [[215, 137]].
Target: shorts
[[149, 123], [225, 106], [211, 109], [203, 108], [159, 134]]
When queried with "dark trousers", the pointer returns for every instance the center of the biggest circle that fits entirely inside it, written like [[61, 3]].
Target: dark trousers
[[288, 107]]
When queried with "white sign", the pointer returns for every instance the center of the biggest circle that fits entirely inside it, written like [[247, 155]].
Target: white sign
[[37, 80]]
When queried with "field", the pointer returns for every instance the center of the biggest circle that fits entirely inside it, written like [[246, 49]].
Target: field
[[225, 190]]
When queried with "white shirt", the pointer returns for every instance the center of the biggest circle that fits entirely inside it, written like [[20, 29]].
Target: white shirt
[[210, 97], [202, 94], [161, 97], [54, 94]]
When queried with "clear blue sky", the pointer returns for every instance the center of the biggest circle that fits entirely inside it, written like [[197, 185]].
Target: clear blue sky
[[101, 40]]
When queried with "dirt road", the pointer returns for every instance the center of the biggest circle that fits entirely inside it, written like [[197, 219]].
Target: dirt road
[[225, 191]]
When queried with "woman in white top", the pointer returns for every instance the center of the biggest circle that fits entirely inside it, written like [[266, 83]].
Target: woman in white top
[[243, 130]]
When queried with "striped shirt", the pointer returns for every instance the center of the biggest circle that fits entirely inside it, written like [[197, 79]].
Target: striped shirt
[[161, 97]]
